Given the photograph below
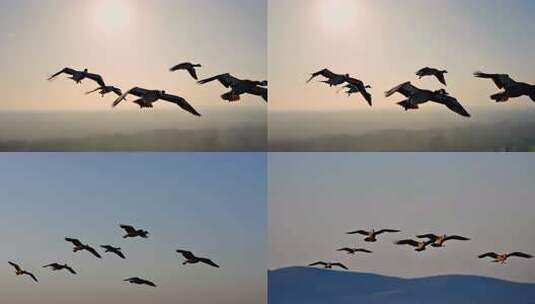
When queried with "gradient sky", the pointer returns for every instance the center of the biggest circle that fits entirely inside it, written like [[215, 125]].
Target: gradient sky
[[315, 198], [131, 43], [212, 204], [384, 42]]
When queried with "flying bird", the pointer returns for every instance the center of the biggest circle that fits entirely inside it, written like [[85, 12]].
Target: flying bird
[[148, 97], [132, 232], [107, 89], [353, 251], [329, 265], [139, 281], [19, 271], [416, 96], [502, 258], [188, 66], [78, 76], [438, 240], [439, 74], [333, 79], [239, 87], [192, 259], [357, 86], [116, 250], [511, 88], [418, 245], [78, 246], [56, 267], [371, 236]]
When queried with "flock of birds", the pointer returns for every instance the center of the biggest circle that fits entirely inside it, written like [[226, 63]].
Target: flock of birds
[[416, 96], [419, 244], [147, 97], [131, 232]]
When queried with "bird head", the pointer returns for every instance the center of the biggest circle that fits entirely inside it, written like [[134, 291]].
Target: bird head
[[441, 92], [263, 83], [162, 92], [86, 70], [445, 72], [368, 86]]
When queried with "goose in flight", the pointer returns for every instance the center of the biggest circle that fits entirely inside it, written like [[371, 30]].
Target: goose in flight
[[333, 79], [418, 245], [132, 232], [502, 258], [78, 76], [78, 246], [116, 250], [357, 86], [239, 87], [139, 281], [56, 267], [106, 89], [371, 236], [192, 259], [416, 96], [148, 97], [19, 271], [329, 265], [353, 251], [511, 88], [188, 66], [427, 71], [438, 240]]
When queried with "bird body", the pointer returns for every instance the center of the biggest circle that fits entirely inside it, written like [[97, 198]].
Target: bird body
[[188, 66], [511, 88], [371, 236], [333, 79], [148, 97], [438, 240], [139, 281], [502, 258], [353, 251], [19, 271], [358, 86], [116, 250], [239, 86], [78, 76], [329, 265], [132, 232], [418, 245], [192, 259], [427, 71], [56, 267]]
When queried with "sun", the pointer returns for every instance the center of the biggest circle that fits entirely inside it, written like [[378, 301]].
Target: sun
[[338, 15], [112, 16]]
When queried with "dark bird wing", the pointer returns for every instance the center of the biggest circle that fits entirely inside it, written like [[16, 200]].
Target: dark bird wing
[[75, 242], [93, 251], [520, 254], [30, 275], [180, 66], [340, 265], [451, 103], [318, 263], [120, 254], [89, 92], [70, 269], [363, 250], [500, 80], [386, 230], [345, 249], [424, 71], [226, 80], [209, 262], [407, 242], [493, 255], [362, 232], [325, 73], [136, 91], [17, 267], [128, 228], [148, 283], [96, 78], [258, 91], [456, 237], [186, 254], [406, 89], [193, 73], [117, 91], [181, 102], [440, 76], [65, 70], [428, 236]]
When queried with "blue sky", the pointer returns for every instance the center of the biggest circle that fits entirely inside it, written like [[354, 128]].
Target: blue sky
[[214, 204]]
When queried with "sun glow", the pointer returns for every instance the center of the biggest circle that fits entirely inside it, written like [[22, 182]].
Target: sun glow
[[338, 15], [112, 16]]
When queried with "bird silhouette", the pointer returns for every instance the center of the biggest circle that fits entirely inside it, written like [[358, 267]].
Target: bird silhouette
[[105, 90], [192, 259], [333, 79], [502, 258], [357, 86], [56, 267], [511, 88], [116, 250], [418, 96], [79, 246], [188, 66], [239, 86], [78, 76], [19, 271], [329, 265], [439, 74], [418, 245], [148, 97], [139, 281], [132, 232], [438, 240], [371, 236], [353, 251]]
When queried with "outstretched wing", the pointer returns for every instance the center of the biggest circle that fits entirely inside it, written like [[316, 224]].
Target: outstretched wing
[[128, 228], [407, 242], [75, 242], [363, 250], [440, 76], [386, 230], [325, 73], [340, 265], [31, 276], [520, 254], [186, 254], [65, 70], [258, 91], [93, 251], [89, 92], [456, 237], [345, 249], [70, 270], [136, 91], [117, 91], [500, 80], [226, 80], [362, 232], [406, 89], [209, 262], [451, 103], [181, 102], [428, 236], [96, 78], [318, 263], [493, 255], [147, 283], [17, 267]]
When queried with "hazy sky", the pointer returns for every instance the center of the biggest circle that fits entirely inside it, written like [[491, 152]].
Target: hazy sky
[[131, 43], [384, 42], [212, 204], [315, 198]]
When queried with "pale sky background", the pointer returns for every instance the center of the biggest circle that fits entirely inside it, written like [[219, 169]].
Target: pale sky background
[[130, 43], [384, 42], [315, 198], [212, 204]]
